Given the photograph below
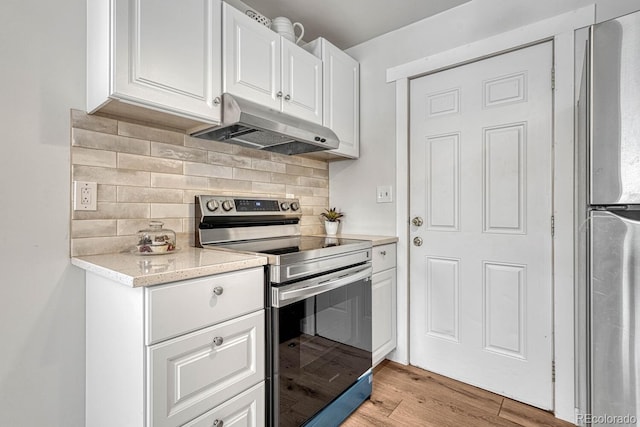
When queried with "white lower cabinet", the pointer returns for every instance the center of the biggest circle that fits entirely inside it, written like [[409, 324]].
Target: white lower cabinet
[[143, 370], [191, 374], [244, 410], [384, 301]]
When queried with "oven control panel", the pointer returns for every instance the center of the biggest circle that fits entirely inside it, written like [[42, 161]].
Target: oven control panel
[[254, 205], [207, 206]]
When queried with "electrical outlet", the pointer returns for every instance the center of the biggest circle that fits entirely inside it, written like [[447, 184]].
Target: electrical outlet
[[383, 194], [85, 196]]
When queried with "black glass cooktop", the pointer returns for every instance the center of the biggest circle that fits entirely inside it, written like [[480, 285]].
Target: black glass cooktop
[[288, 245]]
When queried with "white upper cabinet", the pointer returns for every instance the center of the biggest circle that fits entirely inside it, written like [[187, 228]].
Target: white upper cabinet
[[341, 96], [251, 59], [261, 66], [160, 55]]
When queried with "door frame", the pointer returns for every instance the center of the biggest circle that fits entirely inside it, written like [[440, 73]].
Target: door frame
[[561, 30]]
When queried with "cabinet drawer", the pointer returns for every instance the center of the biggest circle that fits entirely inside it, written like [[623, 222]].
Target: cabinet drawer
[[384, 257], [246, 409], [193, 373], [181, 307]]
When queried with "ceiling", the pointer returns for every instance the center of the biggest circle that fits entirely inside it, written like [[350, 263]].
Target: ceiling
[[346, 23]]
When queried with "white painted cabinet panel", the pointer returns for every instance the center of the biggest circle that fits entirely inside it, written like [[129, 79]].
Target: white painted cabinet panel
[[383, 257], [157, 54], [341, 96], [384, 301], [301, 83], [245, 410], [261, 66], [181, 307], [251, 55], [170, 383], [195, 372]]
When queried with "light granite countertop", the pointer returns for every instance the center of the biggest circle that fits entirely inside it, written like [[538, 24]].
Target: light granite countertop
[[375, 240], [187, 263], [147, 270]]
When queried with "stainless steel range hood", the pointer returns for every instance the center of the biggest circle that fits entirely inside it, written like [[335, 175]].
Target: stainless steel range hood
[[255, 126]]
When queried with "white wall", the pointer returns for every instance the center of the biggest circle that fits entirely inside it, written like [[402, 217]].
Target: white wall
[[42, 51], [353, 183]]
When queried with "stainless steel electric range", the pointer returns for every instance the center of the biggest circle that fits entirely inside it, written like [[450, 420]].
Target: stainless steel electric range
[[318, 306]]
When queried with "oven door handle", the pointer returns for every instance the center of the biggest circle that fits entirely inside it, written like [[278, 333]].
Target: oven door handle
[[289, 294]]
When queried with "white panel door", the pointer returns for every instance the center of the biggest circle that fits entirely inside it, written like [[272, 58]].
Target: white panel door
[[301, 83], [251, 55], [168, 55], [481, 180]]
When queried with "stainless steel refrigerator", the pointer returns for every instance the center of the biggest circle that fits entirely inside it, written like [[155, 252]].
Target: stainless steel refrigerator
[[611, 119]]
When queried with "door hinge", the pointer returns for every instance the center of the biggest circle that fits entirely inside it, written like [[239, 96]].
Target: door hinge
[[553, 371], [553, 78], [553, 226]]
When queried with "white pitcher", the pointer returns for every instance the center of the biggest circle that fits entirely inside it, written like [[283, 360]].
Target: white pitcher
[[286, 29]]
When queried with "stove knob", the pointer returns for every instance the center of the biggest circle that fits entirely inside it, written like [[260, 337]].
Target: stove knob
[[212, 205], [295, 206], [227, 205], [284, 206]]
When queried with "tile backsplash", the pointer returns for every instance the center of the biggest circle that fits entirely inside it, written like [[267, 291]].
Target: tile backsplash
[[144, 173]]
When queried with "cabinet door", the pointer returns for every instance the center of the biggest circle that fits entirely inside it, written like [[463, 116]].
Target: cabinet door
[[251, 55], [384, 314], [194, 373], [301, 83], [168, 55], [244, 410], [342, 99]]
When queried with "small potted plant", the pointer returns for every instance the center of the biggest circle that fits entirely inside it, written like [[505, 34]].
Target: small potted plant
[[331, 220]]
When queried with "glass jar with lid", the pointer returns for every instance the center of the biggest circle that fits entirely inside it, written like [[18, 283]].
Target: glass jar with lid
[[155, 239]]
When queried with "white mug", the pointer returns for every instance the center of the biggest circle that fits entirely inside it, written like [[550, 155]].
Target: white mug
[[286, 29]]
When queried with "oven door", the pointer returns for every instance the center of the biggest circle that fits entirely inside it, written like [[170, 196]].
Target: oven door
[[321, 341]]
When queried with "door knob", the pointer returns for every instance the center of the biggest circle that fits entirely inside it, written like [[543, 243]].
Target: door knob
[[417, 221], [417, 241]]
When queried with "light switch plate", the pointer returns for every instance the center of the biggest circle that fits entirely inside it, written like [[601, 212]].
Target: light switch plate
[[384, 194]]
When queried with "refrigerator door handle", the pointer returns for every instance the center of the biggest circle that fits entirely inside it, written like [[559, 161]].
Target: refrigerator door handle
[[612, 208]]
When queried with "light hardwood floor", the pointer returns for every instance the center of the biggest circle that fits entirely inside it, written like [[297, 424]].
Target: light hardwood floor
[[409, 396]]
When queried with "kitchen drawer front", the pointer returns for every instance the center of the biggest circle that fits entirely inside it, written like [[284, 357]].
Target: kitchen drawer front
[[192, 374], [384, 257], [244, 410], [186, 306]]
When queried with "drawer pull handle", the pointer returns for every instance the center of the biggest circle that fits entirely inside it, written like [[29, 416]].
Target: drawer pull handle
[[218, 423], [383, 253], [218, 290], [218, 341]]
